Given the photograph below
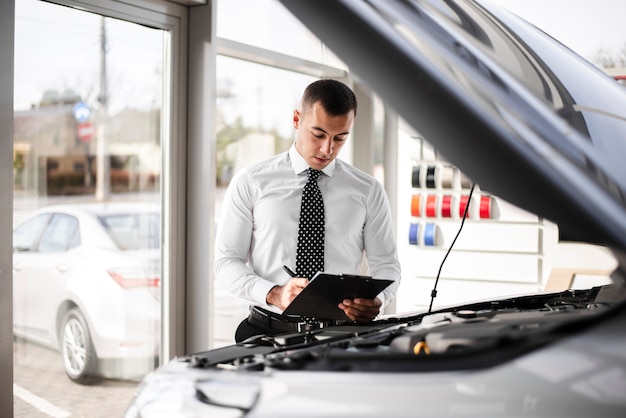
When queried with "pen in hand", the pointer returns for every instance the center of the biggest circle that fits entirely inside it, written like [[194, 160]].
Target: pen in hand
[[289, 271]]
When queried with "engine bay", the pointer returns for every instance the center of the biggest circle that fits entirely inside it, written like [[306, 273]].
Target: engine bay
[[471, 336]]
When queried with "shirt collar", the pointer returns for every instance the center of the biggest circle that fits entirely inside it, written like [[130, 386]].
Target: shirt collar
[[299, 164]]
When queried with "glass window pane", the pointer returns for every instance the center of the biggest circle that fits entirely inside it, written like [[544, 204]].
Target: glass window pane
[[253, 113], [27, 234], [133, 230], [267, 24], [87, 166], [59, 233]]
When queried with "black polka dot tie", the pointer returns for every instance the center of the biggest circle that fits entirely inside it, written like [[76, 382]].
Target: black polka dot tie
[[310, 255]]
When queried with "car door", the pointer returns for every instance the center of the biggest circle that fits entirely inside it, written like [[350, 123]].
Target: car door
[[25, 239], [41, 272]]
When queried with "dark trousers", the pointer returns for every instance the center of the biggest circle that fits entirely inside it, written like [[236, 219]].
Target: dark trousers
[[246, 330]]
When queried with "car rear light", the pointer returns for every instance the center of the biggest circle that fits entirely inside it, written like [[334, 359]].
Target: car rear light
[[131, 278]]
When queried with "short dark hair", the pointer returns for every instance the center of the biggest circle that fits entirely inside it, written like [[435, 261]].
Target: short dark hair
[[336, 98]]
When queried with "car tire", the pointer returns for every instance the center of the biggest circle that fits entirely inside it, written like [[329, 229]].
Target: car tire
[[77, 351]]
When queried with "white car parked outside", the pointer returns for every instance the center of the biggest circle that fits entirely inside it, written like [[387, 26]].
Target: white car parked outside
[[86, 281]]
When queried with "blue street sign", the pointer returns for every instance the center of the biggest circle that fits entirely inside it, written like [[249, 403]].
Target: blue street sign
[[82, 113]]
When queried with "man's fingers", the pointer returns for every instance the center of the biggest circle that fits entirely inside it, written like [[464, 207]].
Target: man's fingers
[[296, 284], [361, 310], [292, 289]]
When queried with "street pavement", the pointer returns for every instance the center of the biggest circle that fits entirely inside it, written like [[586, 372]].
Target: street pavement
[[42, 390]]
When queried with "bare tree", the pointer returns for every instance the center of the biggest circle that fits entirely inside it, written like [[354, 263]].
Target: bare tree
[[608, 58]]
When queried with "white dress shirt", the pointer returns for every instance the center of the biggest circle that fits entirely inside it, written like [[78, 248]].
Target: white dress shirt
[[257, 232]]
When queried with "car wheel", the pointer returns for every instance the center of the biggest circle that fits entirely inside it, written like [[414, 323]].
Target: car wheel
[[79, 357]]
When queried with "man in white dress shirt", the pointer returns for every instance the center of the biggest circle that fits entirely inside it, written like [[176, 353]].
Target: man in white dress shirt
[[257, 231]]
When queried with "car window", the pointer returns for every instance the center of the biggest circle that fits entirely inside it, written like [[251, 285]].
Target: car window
[[133, 231], [26, 235], [61, 234]]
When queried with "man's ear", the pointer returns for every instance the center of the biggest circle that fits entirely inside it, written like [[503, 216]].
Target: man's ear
[[296, 119]]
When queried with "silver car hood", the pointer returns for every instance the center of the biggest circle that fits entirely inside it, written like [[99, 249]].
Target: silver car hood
[[523, 116]]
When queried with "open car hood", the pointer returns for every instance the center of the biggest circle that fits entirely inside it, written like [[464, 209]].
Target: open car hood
[[522, 115]]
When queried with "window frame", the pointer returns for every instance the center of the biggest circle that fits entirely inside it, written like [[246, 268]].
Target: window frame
[[172, 18]]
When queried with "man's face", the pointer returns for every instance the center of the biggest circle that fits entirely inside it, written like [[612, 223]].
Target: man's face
[[320, 136]]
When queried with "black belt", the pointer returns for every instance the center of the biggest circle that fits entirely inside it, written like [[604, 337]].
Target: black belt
[[286, 323]]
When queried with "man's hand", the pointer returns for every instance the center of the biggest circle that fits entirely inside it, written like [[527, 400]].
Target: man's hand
[[361, 310], [281, 296]]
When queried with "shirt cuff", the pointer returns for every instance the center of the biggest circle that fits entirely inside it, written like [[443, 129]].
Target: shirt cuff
[[259, 294], [382, 298]]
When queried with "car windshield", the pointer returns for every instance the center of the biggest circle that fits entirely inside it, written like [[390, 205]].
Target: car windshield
[[133, 231]]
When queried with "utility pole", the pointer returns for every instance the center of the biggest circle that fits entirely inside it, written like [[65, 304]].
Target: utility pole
[[103, 182]]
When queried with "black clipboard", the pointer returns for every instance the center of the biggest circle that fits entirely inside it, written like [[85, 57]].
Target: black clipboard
[[325, 291]]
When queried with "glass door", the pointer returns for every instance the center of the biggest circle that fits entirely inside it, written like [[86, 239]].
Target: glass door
[[88, 93]]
